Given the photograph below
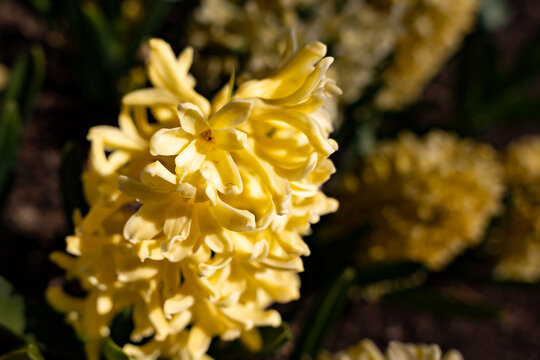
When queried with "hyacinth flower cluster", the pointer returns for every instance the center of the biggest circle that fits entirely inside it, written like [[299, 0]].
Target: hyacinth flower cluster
[[367, 350], [518, 240], [427, 199], [198, 208]]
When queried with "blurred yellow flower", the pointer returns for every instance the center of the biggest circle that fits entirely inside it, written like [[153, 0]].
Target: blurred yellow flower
[[519, 239], [428, 199], [198, 208], [432, 32], [367, 350], [398, 44]]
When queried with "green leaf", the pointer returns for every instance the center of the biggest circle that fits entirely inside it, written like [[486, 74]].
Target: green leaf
[[426, 299], [232, 80], [113, 351], [29, 352], [33, 82], [327, 309], [11, 308], [377, 273], [366, 136], [9, 340], [101, 35], [122, 326], [50, 330], [479, 81], [153, 21], [526, 66], [71, 169], [272, 338], [26, 81], [10, 138], [377, 281]]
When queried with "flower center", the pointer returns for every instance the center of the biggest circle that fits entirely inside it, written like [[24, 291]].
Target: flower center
[[207, 135]]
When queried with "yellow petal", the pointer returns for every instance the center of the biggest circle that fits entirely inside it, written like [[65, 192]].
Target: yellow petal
[[137, 274], [180, 321], [285, 82], [192, 119], [221, 98], [214, 235], [169, 142], [252, 339], [141, 192], [143, 327], [150, 97], [64, 261], [277, 186], [220, 170], [209, 268], [106, 166], [177, 224], [253, 317], [198, 342], [292, 263], [232, 218], [230, 139], [126, 124], [104, 303], [62, 302], [310, 84], [178, 303], [157, 176], [232, 114], [191, 158], [158, 320], [306, 125], [144, 224], [164, 70]]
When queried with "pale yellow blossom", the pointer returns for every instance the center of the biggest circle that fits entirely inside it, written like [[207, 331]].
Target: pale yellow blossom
[[519, 238], [198, 208], [432, 30], [367, 350], [428, 199]]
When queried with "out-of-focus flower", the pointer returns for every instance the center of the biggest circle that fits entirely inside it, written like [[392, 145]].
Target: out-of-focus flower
[[432, 31], [519, 240], [361, 35], [415, 36], [427, 199], [198, 208], [367, 350]]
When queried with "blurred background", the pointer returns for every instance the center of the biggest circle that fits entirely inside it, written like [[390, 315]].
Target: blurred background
[[437, 239]]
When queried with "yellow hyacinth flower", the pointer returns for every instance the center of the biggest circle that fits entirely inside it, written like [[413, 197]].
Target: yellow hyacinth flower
[[428, 199], [367, 350], [198, 208], [519, 238]]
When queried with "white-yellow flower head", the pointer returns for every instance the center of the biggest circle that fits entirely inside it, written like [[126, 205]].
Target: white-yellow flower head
[[432, 31], [198, 208], [367, 350], [428, 199], [519, 238]]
